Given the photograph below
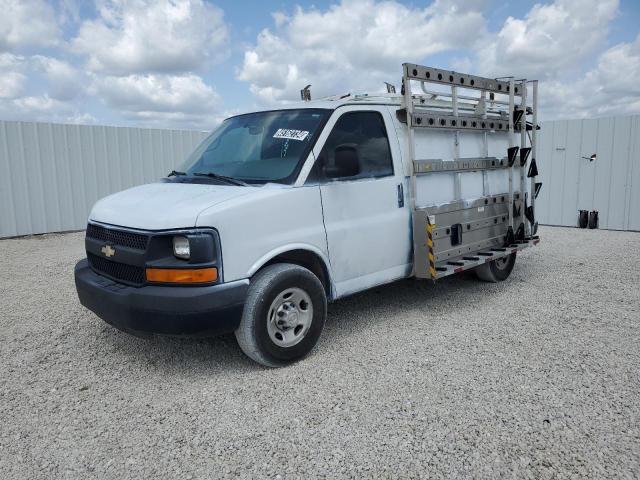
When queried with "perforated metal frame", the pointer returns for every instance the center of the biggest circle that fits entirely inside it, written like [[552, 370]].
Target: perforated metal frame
[[421, 167], [450, 77], [460, 122]]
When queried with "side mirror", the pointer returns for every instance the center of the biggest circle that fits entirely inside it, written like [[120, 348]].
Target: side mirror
[[346, 162]]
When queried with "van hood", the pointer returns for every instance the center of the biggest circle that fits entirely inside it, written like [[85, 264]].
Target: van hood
[[162, 206]]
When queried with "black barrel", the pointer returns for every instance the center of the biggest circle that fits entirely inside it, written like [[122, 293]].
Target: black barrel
[[583, 218]]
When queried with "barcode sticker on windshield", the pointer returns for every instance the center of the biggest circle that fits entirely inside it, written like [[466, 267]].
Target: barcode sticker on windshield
[[291, 134]]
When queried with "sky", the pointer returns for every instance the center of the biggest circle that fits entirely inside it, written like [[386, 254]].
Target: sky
[[191, 63]]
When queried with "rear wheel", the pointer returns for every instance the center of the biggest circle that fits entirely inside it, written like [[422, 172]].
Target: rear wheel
[[496, 270], [283, 316]]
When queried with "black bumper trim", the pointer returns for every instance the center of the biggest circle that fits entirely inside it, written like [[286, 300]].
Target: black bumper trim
[[200, 311]]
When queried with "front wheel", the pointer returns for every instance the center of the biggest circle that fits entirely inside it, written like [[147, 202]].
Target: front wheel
[[496, 270], [283, 316]]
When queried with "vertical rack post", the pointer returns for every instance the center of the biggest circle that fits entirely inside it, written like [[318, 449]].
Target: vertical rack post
[[485, 139], [534, 138], [523, 144], [457, 181], [408, 104], [485, 144], [511, 133]]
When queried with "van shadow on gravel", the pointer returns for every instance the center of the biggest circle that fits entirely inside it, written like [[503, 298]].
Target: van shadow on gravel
[[358, 312], [392, 302]]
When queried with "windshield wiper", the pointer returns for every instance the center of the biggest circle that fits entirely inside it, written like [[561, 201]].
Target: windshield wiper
[[231, 180], [175, 173]]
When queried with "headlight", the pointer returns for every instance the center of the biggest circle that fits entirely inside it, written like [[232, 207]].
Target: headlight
[[181, 247]]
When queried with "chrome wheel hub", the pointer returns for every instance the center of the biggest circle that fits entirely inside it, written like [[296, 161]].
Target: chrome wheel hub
[[289, 317]]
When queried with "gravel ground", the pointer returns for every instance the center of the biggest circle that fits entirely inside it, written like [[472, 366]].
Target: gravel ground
[[536, 377]]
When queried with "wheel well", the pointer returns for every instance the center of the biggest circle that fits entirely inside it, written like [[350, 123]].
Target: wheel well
[[308, 260]]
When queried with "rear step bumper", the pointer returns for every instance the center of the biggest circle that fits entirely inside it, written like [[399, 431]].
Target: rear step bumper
[[482, 257]]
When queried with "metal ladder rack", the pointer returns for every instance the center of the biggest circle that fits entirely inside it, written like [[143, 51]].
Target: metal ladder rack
[[502, 226]]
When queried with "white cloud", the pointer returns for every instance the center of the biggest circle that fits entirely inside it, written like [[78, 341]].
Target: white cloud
[[618, 69], [27, 23], [363, 42], [144, 59], [20, 101], [42, 108], [608, 89], [12, 78], [70, 11], [180, 99], [61, 80], [39, 104], [64, 80], [551, 40], [11, 84], [140, 58], [561, 44], [162, 36], [356, 43], [280, 18]]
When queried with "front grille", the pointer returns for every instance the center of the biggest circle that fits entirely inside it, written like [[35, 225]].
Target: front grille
[[118, 271], [118, 237]]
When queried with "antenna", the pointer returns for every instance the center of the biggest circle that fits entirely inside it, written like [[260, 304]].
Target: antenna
[[305, 93]]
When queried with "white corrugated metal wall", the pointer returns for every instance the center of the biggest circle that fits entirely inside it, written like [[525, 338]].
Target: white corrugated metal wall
[[609, 184], [51, 174]]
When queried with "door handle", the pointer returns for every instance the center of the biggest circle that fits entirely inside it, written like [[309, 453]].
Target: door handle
[[400, 196]]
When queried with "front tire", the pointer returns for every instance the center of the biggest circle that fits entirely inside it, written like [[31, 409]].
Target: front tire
[[496, 270], [283, 316]]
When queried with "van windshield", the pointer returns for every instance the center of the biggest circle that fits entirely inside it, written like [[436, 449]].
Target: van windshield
[[258, 147]]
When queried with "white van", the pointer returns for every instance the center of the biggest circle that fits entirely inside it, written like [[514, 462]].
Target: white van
[[279, 211]]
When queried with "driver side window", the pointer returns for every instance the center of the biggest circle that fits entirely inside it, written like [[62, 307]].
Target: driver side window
[[358, 147]]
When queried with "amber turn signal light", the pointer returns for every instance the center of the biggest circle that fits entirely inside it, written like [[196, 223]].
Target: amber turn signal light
[[182, 275]]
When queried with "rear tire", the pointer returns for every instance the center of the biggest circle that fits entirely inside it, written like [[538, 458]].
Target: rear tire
[[496, 270], [283, 316]]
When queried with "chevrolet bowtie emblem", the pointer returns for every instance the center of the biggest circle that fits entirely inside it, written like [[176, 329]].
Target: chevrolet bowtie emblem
[[108, 251]]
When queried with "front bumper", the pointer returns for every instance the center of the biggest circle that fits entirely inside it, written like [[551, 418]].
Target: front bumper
[[201, 311]]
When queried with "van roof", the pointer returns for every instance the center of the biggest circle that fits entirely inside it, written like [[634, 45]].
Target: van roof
[[331, 103]]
